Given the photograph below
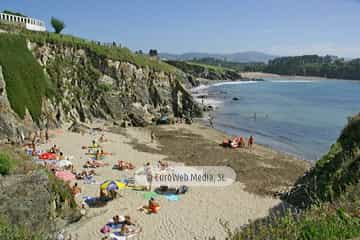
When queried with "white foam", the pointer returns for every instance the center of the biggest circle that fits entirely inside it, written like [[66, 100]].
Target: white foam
[[233, 83], [293, 81]]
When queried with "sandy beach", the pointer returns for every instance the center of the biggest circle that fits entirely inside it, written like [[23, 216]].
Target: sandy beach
[[262, 75], [198, 213]]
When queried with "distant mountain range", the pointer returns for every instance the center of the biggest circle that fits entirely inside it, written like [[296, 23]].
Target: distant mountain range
[[241, 57]]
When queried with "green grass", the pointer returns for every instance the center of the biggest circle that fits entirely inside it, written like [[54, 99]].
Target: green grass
[[15, 232], [111, 52], [26, 83], [6, 164], [212, 67], [327, 221]]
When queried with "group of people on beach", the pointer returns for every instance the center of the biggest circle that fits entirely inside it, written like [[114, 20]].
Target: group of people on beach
[[239, 142]]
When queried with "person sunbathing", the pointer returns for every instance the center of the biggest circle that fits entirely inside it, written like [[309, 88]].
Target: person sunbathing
[[61, 156], [128, 221], [54, 149], [153, 206], [103, 195], [163, 165], [103, 138], [94, 164], [122, 165], [97, 155], [103, 153]]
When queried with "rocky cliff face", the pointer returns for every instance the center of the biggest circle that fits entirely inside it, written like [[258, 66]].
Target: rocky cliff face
[[195, 71], [88, 86]]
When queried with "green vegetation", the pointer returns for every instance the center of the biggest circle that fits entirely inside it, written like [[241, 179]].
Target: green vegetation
[[96, 48], [57, 24], [209, 66], [14, 13], [10, 231], [314, 65], [240, 67], [334, 172], [61, 192], [328, 194], [6, 164], [205, 70], [26, 83]]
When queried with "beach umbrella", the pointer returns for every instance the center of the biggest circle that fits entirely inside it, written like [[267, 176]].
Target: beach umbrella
[[65, 175], [64, 163], [112, 185]]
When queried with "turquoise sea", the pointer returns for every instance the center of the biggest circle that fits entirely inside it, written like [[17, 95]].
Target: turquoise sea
[[300, 117]]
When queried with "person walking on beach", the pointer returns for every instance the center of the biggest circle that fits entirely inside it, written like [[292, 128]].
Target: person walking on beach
[[211, 118], [250, 142]]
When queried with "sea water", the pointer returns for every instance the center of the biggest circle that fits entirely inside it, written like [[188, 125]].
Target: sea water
[[300, 117]]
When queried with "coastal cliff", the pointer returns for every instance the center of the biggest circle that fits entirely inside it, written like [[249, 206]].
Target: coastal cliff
[[196, 71], [82, 82]]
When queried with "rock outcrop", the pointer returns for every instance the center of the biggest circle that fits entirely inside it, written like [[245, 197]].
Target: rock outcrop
[[31, 201], [196, 71], [89, 86]]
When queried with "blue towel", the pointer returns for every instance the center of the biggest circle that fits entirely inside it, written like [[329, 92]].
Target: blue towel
[[114, 226], [172, 197]]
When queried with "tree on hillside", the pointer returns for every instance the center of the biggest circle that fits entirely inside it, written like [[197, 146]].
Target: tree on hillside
[[57, 24], [153, 53]]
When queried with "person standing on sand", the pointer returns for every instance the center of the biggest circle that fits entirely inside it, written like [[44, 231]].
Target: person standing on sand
[[46, 135], [250, 142], [148, 173], [211, 118], [152, 136]]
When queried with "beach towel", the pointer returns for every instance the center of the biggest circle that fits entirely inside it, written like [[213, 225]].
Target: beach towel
[[172, 197], [118, 236], [105, 229], [113, 225], [149, 195]]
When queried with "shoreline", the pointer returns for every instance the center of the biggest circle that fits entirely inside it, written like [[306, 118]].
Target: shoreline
[[263, 75]]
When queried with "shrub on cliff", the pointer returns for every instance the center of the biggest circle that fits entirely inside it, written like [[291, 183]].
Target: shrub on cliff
[[339, 168], [14, 232], [329, 194], [6, 164]]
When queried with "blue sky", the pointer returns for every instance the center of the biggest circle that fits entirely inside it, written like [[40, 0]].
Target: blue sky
[[281, 27]]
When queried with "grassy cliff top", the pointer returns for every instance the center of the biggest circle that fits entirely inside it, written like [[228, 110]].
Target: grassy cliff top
[[108, 51], [189, 66]]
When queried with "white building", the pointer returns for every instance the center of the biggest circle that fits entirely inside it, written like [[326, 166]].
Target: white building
[[29, 23]]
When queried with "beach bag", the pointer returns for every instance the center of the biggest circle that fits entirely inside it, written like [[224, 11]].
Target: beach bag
[[182, 190], [105, 229]]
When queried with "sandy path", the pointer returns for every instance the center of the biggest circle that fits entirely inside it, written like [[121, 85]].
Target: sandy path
[[196, 215]]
